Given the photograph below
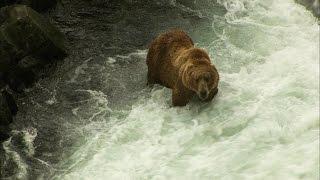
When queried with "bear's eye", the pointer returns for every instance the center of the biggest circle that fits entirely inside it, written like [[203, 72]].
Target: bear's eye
[[207, 77]]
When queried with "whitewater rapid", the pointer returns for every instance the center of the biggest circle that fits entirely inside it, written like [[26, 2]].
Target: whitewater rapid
[[263, 124]]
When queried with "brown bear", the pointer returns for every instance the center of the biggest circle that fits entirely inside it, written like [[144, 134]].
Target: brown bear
[[174, 62]]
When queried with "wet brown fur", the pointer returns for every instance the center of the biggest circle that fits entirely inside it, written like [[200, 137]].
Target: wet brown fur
[[174, 62]]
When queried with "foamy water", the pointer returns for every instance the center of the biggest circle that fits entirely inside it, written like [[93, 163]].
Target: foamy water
[[263, 124]]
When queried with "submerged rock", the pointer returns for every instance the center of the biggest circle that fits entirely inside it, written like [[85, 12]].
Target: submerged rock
[[31, 33]]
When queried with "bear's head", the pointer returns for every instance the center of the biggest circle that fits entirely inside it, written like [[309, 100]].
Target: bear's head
[[200, 77]]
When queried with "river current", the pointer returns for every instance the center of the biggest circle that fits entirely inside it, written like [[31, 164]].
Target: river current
[[95, 118]]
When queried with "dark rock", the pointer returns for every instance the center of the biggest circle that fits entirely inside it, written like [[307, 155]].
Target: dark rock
[[5, 112], [29, 32], [11, 102], [8, 108], [38, 5], [7, 2], [10, 72], [8, 54], [2, 83], [30, 62], [34, 67], [27, 42], [4, 133], [41, 5], [18, 79]]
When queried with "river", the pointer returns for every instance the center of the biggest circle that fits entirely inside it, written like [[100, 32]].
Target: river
[[95, 118]]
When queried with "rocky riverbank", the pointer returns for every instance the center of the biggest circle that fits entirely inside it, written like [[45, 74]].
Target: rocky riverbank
[[29, 43]]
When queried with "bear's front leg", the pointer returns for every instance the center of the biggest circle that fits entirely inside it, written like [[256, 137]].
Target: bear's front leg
[[181, 97], [212, 95], [151, 80]]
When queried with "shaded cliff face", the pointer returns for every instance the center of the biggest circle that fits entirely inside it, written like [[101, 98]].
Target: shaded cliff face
[[94, 117]]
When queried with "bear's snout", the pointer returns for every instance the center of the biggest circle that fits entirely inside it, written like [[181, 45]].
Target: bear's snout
[[203, 91], [203, 94]]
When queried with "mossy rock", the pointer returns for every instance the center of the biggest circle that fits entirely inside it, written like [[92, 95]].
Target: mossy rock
[[29, 32]]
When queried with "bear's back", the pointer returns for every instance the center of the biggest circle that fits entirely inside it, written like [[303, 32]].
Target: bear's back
[[162, 53]]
